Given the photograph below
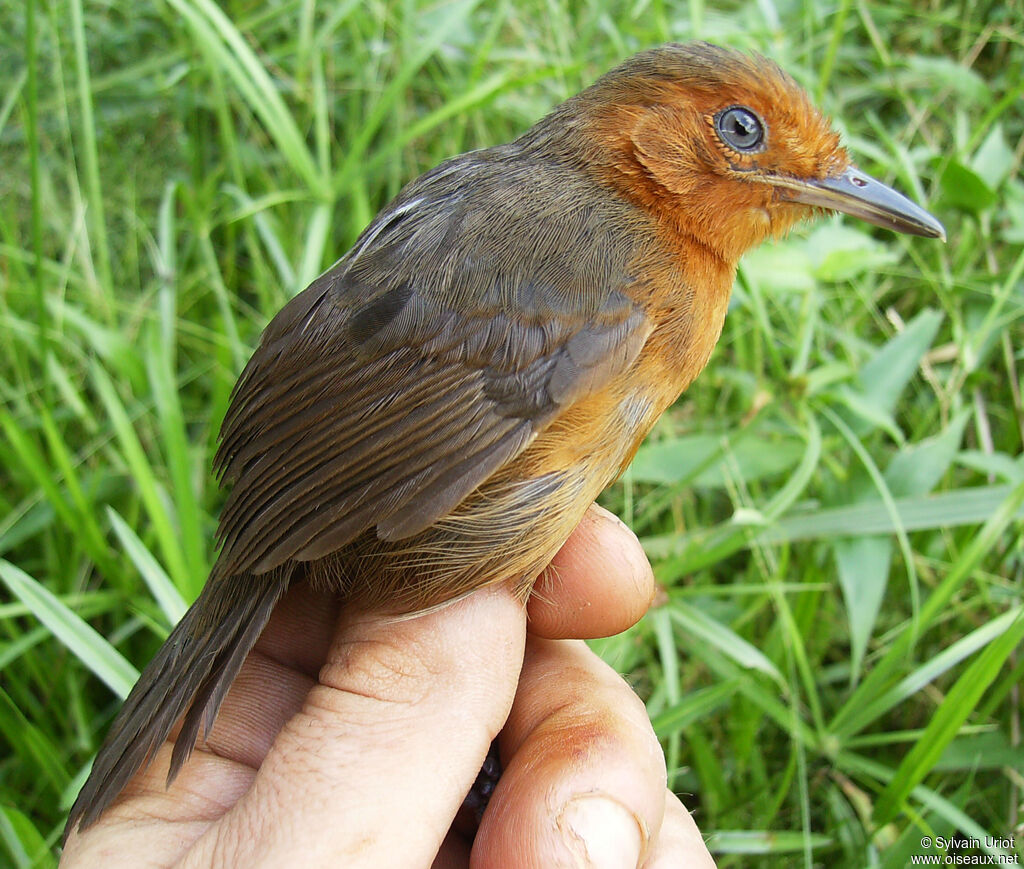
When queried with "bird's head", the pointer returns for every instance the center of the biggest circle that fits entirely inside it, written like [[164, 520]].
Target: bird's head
[[725, 147]]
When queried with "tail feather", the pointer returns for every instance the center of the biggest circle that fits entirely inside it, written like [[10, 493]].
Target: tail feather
[[189, 676]]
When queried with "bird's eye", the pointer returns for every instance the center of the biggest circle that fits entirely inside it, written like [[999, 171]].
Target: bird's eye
[[740, 129]]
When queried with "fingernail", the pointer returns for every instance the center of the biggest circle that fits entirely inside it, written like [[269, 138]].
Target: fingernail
[[601, 833]]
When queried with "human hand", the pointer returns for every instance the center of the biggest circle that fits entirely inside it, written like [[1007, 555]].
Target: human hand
[[364, 760]]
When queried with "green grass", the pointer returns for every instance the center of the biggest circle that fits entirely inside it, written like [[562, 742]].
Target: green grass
[[834, 509]]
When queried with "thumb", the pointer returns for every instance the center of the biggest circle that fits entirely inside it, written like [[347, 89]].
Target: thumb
[[373, 769]]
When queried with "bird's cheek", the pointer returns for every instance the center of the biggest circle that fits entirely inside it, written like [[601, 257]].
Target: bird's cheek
[[785, 216], [761, 221]]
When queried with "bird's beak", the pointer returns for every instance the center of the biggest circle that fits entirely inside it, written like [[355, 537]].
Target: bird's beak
[[859, 195]]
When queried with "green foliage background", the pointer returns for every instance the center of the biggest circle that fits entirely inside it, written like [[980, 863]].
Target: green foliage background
[[834, 509]]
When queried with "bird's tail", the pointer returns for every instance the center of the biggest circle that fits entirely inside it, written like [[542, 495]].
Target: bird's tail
[[189, 676]]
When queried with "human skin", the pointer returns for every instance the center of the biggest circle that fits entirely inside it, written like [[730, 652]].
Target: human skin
[[352, 740]]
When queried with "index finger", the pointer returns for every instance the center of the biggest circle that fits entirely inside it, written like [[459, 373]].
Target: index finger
[[599, 583]]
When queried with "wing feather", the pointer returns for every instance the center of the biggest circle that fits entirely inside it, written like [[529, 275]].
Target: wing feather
[[422, 362]]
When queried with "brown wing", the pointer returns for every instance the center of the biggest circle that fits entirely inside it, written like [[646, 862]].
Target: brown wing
[[463, 320]]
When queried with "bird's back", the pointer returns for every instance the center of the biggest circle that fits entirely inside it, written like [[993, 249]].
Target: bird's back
[[428, 380]]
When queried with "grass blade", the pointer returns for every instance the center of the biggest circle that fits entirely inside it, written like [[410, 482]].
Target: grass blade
[[882, 673], [170, 601], [86, 644], [144, 477], [951, 714], [228, 49]]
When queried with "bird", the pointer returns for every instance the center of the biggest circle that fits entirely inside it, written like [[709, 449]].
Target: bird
[[436, 411]]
